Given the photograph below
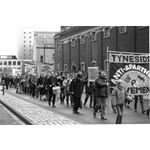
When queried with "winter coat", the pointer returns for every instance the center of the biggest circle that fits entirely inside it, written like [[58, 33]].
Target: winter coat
[[101, 88], [76, 87]]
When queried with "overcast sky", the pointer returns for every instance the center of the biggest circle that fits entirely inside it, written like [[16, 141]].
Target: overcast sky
[[18, 14], [48, 15]]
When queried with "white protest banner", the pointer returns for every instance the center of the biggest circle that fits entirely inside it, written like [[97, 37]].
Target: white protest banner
[[132, 68], [29, 67], [93, 73]]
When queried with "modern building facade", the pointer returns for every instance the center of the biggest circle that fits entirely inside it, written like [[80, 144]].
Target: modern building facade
[[79, 47], [10, 65], [25, 44]]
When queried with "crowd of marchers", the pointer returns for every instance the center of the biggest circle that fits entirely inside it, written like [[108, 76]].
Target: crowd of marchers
[[69, 87]]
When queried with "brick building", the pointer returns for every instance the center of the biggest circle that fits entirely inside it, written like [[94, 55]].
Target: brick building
[[79, 47]]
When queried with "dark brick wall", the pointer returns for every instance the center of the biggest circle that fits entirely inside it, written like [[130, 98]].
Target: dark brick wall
[[142, 40], [134, 39]]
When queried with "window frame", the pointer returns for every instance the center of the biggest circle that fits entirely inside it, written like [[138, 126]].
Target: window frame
[[73, 42], [141, 27], [93, 36], [18, 63], [5, 63], [82, 39], [122, 32], [41, 58], [15, 63], [9, 63], [107, 36], [58, 47], [65, 67]]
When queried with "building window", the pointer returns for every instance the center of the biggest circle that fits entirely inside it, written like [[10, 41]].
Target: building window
[[0, 62], [29, 41], [19, 63], [82, 66], [73, 42], [94, 63], [24, 46], [82, 39], [14, 62], [30, 37], [41, 58], [29, 45], [141, 27], [93, 36], [24, 32], [5, 69], [9, 63], [65, 67], [5, 62], [24, 41], [106, 32], [58, 47], [122, 29], [73, 67], [24, 37], [29, 32], [0, 69]]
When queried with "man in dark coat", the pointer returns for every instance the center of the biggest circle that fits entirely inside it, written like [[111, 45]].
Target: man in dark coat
[[101, 93], [49, 88], [7, 80], [54, 83], [76, 88]]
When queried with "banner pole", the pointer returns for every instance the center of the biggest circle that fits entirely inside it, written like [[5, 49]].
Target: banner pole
[[107, 67]]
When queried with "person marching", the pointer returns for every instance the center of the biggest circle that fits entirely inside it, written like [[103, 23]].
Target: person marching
[[76, 89], [101, 94], [49, 87], [54, 84], [120, 95], [69, 95], [40, 84], [89, 90]]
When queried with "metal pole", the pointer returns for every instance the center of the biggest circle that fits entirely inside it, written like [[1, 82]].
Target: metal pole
[[108, 77], [44, 52], [3, 90]]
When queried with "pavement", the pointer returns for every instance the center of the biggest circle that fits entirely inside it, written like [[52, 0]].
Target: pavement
[[7, 118], [38, 112]]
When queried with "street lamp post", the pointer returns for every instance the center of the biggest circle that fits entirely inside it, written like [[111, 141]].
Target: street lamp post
[[44, 47]]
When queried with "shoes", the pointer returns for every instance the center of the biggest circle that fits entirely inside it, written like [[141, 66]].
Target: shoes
[[76, 112], [94, 115], [114, 111], [102, 118], [143, 112], [147, 113], [53, 106], [135, 110]]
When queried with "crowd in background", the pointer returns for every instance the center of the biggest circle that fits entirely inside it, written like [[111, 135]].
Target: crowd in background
[[68, 88]]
